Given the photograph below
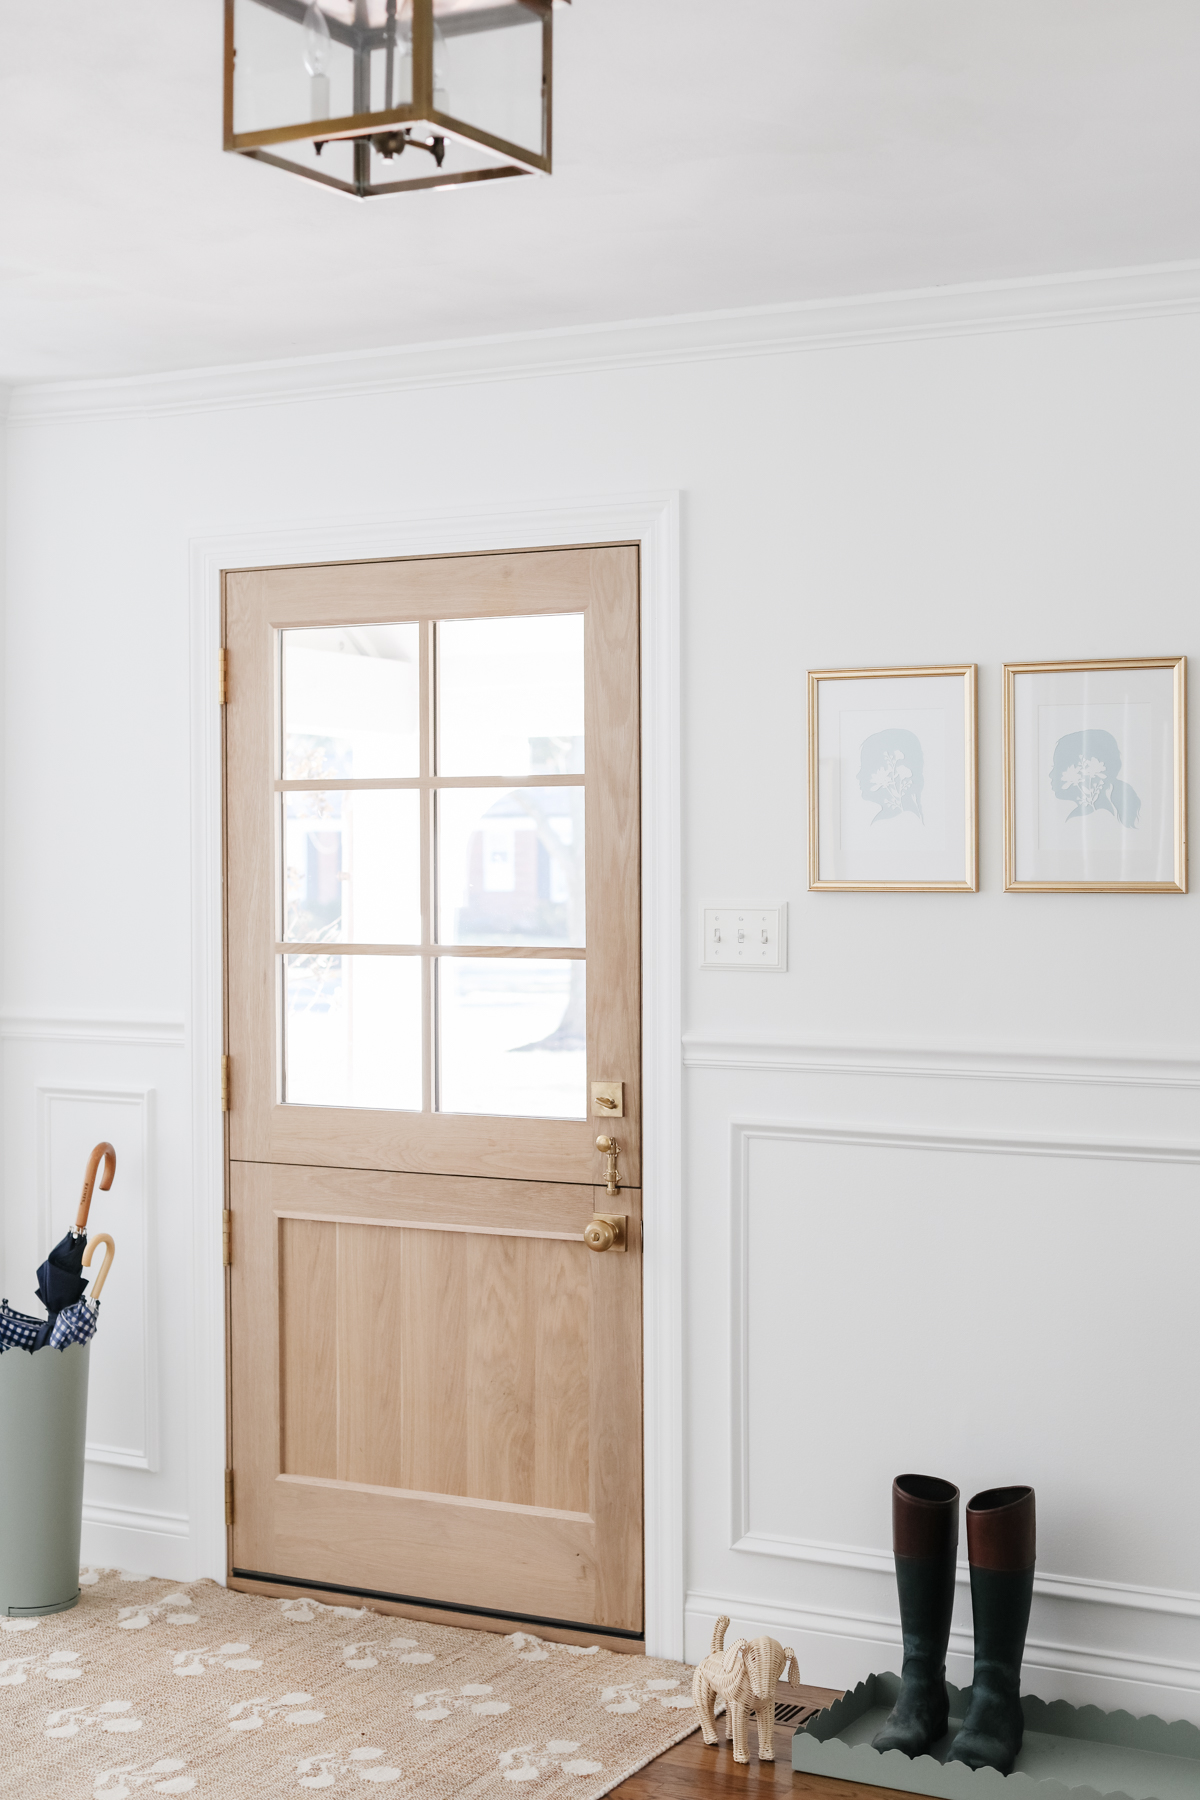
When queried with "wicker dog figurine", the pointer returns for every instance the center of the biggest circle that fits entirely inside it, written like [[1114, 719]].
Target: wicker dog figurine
[[745, 1677]]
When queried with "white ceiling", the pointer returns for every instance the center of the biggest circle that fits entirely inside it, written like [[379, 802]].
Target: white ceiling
[[709, 154]]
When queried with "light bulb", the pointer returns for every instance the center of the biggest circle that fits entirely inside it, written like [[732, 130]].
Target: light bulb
[[318, 52], [318, 49], [441, 97]]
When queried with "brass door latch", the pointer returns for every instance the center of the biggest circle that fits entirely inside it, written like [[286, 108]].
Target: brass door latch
[[612, 1150]]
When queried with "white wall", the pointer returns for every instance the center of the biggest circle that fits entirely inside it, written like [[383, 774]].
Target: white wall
[[967, 1242]]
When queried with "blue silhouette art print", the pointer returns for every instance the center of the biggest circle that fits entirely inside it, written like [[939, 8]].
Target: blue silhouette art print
[[891, 772], [1085, 770]]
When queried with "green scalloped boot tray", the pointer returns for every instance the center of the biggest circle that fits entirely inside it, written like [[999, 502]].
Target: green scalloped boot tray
[[1070, 1752]]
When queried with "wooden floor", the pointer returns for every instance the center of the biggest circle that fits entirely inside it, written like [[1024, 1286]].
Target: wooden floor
[[691, 1771]]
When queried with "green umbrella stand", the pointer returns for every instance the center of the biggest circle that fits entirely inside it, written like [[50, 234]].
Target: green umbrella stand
[[43, 1421]]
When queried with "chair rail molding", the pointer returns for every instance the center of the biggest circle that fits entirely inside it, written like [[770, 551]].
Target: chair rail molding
[[52, 1028], [939, 1062], [652, 521], [742, 1537]]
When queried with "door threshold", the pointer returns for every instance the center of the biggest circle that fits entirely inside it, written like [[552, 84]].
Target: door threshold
[[433, 1612]]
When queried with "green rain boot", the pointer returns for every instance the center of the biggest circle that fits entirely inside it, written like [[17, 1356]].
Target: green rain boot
[[925, 1543], [1001, 1544]]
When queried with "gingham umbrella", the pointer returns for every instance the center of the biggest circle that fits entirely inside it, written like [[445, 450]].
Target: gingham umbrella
[[71, 1318]]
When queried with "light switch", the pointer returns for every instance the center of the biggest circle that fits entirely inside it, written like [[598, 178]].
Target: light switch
[[745, 937]]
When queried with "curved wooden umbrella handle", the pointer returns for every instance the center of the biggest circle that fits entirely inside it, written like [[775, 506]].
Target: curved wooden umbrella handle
[[89, 1180], [101, 1237]]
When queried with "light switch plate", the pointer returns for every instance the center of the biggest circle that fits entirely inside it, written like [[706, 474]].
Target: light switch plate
[[744, 937]]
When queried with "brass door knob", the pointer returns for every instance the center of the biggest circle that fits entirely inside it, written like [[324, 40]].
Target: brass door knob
[[607, 1231], [599, 1235]]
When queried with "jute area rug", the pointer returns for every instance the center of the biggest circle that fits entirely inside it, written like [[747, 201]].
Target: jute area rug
[[155, 1688]]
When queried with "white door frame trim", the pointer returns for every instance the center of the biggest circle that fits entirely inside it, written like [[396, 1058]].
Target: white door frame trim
[[652, 520]]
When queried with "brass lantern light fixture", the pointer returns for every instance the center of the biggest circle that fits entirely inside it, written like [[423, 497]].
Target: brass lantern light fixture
[[382, 96]]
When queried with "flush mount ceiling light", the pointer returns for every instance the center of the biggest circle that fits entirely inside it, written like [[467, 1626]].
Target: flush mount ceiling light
[[353, 93]]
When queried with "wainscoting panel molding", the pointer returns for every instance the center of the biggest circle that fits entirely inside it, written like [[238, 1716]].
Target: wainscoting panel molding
[[123, 1380], [911, 1266], [1060, 1587]]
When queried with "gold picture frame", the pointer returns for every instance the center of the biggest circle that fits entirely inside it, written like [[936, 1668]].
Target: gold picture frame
[[960, 771], [1093, 788]]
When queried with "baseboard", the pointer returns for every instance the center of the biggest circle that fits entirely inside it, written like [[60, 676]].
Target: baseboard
[[145, 1543], [839, 1649]]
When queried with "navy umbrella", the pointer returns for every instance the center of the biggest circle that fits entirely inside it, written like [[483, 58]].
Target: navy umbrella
[[61, 1281]]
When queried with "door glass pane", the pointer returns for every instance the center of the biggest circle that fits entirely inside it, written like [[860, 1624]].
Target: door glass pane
[[510, 696], [511, 1037], [510, 866], [352, 866], [351, 699], [352, 1031]]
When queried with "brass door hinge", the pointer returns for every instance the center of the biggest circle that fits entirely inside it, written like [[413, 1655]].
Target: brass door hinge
[[222, 676], [227, 1239], [225, 1083], [229, 1496]]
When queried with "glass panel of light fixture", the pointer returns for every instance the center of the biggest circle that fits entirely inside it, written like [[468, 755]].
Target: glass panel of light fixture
[[510, 695], [352, 866], [492, 68], [512, 1037], [351, 702], [511, 866], [352, 1031], [290, 71]]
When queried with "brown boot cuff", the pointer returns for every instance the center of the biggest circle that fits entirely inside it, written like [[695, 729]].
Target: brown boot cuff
[[924, 1516], [1002, 1529]]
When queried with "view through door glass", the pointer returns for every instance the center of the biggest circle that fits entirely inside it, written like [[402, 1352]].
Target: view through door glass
[[391, 991]]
